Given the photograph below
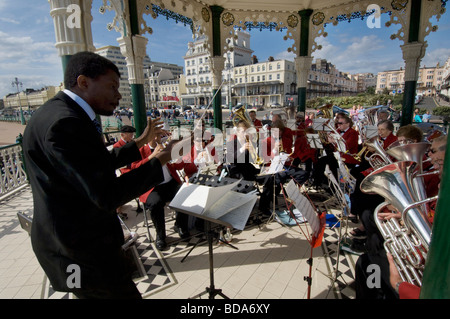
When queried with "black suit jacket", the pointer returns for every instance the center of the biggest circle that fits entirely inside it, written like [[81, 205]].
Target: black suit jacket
[[76, 193]]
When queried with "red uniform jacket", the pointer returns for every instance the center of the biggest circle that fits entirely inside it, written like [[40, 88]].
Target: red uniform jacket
[[302, 149], [287, 139], [351, 140], [189, 168], [257, 124], [118, 144]]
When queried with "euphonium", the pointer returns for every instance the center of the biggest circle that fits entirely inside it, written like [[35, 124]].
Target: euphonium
[[241, 115], [409, 243], [379, 158]]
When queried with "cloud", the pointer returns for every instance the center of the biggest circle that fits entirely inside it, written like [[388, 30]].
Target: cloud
[[432, 57], [8, 20], [358, 54], [35, 63]]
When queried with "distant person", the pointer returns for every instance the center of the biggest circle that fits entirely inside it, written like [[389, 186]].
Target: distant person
[[426, 117]]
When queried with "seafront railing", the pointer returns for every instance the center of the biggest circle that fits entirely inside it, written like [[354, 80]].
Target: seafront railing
[[13, 173]]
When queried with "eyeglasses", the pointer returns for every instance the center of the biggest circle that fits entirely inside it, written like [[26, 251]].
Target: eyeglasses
[[340, 123], [433, 151]]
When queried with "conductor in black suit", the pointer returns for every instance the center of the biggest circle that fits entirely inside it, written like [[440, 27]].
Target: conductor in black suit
[[76, 234]]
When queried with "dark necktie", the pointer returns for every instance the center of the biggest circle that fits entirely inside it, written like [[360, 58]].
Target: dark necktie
[[98, 126]]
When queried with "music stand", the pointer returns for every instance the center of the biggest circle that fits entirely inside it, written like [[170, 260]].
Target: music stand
[[315, 219], [213, 214], [340, 196], [211, 290], [314, 141], [276, 166]]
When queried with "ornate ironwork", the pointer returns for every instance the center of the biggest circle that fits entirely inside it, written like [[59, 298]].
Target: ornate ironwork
[[228, 19], [318, 18], [205, 14], [172, 15], [292, 21], [12, 169], [399, 4]]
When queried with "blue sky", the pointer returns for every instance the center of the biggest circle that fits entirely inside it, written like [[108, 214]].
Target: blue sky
[[27, 41]]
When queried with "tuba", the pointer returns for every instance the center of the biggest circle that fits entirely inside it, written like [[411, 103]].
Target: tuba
[[241, 115], [409, 241], [412, 152]]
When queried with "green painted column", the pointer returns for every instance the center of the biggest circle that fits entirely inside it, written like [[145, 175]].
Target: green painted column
[[217, 52], [139, 112], [137, 90], [411, 81], [436, 277], [305, 16], [65, 60]]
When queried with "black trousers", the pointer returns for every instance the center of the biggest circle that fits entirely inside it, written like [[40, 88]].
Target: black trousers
[[156, 201], [299, 175], [362, 279]]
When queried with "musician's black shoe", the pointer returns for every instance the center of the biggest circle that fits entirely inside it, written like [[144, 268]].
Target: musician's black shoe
[[160, 243], [183, 233]]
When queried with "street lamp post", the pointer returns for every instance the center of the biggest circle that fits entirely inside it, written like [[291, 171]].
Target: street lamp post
[[16, 83]]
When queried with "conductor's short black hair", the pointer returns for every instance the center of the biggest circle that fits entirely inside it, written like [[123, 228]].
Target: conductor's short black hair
[[88, 64]]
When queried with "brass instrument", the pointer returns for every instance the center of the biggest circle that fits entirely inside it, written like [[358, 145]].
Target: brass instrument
[[338, 140], [327, 110], [370, 119], [241, 115], [408, 241], [379, 158], [412, 152]]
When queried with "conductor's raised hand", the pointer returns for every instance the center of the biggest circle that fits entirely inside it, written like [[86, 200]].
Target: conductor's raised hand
[[175, 149], [153, 129]]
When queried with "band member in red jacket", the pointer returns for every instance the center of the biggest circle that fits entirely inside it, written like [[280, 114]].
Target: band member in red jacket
[[350, 139], [303, 153], [280, 141], [156, 198], [256, 123]]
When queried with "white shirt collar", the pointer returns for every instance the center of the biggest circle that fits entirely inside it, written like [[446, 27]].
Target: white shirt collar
[[82, 103]]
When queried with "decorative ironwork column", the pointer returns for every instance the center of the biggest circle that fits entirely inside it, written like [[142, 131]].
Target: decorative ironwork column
[[133, 47], [72, 20]]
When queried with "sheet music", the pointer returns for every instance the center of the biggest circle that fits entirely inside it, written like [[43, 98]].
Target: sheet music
[[191, 197], [277, 164], [304, 206], [215, 203], [314, 141], [226, 203], [238, 217], [216, 193]]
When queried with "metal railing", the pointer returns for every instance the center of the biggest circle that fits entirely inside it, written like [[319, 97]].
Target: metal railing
[[13, 173]]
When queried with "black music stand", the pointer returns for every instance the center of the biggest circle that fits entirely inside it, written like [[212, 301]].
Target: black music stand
[[214, 181], [211, 290], [208, 220]]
